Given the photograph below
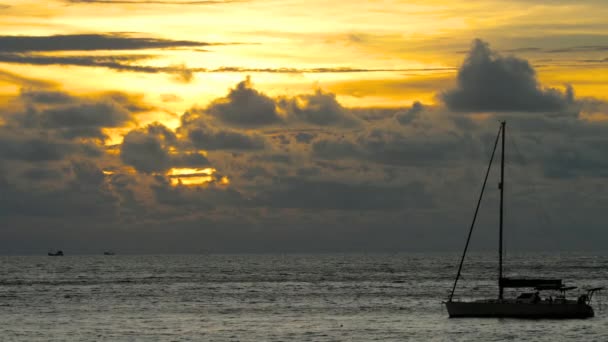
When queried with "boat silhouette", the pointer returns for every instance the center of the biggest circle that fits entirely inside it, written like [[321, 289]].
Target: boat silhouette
[[528, 304]]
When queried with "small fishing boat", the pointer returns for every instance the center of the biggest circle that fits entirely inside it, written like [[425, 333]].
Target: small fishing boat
[[55, 253]]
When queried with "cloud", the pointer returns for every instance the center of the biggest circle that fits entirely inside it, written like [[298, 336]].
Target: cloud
[[583, 48], [147, 149], [203, 135], [118, 63], [308, 170], [490, 82], [411, 114], [90, 42], [16, 146], [75, 117], [244, 106], [85, 194], [389, 146], [303, 137], [319, 108], [306, 194], [46, 96], [156, 149]]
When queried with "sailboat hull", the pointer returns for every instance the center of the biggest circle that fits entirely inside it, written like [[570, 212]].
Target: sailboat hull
[[570, 309]]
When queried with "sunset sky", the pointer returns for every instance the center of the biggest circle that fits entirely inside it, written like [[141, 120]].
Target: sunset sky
[[161, 126]]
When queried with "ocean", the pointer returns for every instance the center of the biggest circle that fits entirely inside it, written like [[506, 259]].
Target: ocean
[[321, 297]]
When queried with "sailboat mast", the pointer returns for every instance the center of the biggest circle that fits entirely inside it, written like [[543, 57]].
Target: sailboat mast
[[502, 191]]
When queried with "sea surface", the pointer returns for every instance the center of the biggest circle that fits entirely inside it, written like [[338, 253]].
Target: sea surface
[[329, 297]]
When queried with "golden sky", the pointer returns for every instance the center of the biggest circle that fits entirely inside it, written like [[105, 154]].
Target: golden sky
[[416, 46]]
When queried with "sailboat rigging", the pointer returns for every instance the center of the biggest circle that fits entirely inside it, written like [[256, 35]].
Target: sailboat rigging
[[526, 305]]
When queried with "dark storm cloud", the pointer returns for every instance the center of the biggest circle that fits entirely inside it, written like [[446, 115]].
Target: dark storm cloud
[[84, 195], [147, 149], [16, 146], [281, 158], [303, 137], [203, 135], [411, 114], [586, 159], [220, 139], [42, 173], [245, 106], [490, 82], [156, 149], [101, 114], [190, 160], [306, 194], [75, 117], [562, 147], [390, 147], [90, 42], [337, 149], [305, 170]]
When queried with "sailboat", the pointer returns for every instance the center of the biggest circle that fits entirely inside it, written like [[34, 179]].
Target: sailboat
[[528, 304]]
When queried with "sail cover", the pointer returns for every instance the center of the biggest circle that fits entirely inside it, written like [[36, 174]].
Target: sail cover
[[546, 284]]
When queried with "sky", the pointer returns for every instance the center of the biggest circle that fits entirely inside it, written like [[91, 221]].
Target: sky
[[266, 126]]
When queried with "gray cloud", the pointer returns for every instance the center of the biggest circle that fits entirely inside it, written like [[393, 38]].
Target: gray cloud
[[301, 176], [46, 96], [299, 193], [490, 82], [74, 117], [90, 42], [392, 147], [203, 135], [84, 195], [147, 149], [190, 160], [303, 137], [411, 114], [16, 146], [118, 63], [245, 106], [156, 149], [319, 108]]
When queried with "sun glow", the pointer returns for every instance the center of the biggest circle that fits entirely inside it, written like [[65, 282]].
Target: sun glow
[[195, 176]]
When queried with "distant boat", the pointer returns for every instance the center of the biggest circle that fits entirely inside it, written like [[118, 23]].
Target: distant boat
[[528, 304], [108, 253], [55, 253]]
